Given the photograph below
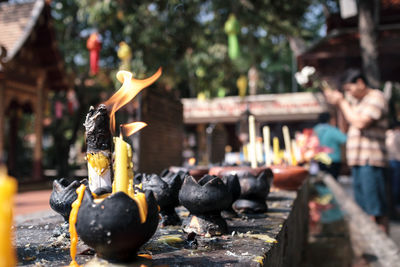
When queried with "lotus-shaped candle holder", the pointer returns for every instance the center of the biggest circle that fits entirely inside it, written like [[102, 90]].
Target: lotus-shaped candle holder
[[62, 196], [289, 177], [205, 199], [113, 227], [233, 185], [166, 190], [255, 184]]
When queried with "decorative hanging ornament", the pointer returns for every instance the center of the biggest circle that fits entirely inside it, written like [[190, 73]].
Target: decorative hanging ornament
[[253, 80], [125, 55], [93, 44], [241, 84], [232, 29]]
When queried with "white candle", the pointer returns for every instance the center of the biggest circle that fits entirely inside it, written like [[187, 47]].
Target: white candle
[[288, 146], [267, 145], [252, 137]]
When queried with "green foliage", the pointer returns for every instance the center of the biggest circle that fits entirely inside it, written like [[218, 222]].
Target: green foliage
[[188, 40]]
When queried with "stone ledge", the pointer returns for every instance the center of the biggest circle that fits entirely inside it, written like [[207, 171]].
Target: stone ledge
[[275, 238]]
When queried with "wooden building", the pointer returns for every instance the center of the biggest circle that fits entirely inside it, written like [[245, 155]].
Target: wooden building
[[159, 145], [340, 48], [216, 123], [30, 66]]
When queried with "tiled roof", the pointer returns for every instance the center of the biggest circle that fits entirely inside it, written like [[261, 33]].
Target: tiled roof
[[16, 23]]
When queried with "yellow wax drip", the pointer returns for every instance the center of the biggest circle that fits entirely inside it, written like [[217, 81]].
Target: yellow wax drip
[[98, 199], [72, 221], [98, 161], [140, 199]]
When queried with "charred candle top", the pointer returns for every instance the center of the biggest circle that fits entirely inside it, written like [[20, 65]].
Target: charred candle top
[[97, 125]]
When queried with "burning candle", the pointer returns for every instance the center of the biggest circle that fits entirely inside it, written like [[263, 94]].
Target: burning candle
[[8, 187], [252, 138], [275, 144], [121, 165], [267, 145], [288, 147], [123, 177]]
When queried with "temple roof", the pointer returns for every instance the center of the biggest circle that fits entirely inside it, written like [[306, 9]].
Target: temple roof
[[16, 23], [27, 40]]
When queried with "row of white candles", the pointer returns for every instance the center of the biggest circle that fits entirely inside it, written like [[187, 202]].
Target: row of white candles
[[254, 150]]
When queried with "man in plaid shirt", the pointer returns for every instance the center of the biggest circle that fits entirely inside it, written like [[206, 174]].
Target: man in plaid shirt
[[366, 111]]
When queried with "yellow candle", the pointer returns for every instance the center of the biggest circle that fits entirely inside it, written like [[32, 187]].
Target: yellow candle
[[288, 146], [130, 172], [121, 165], [294, 152], [123, 176], [267, 145], [245, 152], [8, 187], [252, 138], [275, 144]]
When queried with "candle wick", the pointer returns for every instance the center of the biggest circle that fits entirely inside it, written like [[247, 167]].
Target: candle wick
[[120, 130]]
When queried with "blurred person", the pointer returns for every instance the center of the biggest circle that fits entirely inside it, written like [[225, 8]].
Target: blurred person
[[366, 111], [393, 148], [331, 137]]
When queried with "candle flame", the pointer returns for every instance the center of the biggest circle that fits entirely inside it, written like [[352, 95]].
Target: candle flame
[[192, 161], [129, 89], [131, 128]]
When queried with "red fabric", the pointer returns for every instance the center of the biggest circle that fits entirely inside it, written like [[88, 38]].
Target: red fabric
[[94, 61], [93, 44]]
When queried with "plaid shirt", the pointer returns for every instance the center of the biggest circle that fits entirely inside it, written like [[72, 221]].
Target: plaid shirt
[[367, 146]]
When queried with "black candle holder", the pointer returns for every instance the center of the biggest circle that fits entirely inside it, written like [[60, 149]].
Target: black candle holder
[[205, 199], [166, 190], [233, 184], [63, 195], [254, 192], [113, 227], [255, 184]]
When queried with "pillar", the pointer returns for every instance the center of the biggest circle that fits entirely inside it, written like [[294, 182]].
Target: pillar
[[202, 155], [13, 140], [39, 114]]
